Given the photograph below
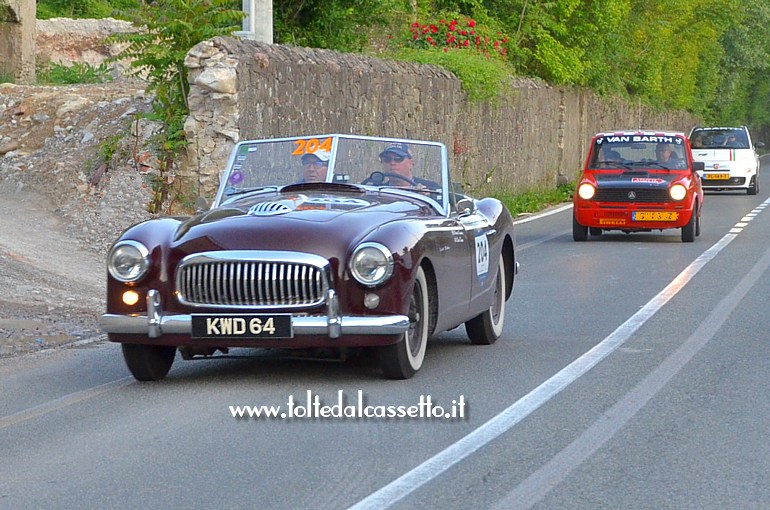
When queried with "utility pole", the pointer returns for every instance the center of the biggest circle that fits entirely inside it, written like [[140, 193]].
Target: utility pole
[[258, 23]]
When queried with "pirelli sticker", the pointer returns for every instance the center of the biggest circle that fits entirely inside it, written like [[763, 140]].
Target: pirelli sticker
[[612, 221]]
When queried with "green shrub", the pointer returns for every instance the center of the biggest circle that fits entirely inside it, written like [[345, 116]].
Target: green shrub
[[53, 73]]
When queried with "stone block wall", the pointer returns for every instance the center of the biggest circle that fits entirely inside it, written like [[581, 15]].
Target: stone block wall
[[530, 137]]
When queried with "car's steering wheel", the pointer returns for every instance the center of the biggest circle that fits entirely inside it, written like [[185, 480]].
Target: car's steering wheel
[[378, 178]]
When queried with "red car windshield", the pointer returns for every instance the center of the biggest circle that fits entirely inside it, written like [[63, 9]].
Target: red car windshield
[[630, 152]]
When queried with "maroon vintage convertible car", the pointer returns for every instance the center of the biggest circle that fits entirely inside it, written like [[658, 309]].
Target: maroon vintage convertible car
[[325, 242]]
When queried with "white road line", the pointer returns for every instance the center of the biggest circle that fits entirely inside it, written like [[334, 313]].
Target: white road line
[[541, 482], [509, 417], [543, 214]]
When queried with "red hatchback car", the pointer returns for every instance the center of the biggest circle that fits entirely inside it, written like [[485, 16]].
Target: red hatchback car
[[638, 181]]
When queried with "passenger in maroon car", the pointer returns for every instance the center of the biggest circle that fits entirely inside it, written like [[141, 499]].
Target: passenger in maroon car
[[315, 166]]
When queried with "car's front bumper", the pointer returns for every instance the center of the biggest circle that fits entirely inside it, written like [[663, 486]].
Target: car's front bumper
[[333, 325], [733, 180]]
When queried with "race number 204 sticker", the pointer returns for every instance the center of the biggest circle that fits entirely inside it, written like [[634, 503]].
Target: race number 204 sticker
[[482, 254]]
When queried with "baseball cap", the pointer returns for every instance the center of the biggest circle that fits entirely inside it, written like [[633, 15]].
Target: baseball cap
[[320, 155], [399, 148]]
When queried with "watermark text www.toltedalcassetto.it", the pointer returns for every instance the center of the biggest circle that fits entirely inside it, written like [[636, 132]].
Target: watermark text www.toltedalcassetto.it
[[312, 407]]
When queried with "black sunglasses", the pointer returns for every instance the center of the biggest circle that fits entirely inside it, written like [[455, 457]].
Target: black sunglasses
[[388, 159]]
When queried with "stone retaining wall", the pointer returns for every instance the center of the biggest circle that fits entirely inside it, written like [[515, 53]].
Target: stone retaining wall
[[532, 136]]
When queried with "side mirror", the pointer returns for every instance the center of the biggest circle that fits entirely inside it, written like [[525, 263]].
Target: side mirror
[[759, 145], [201, 205], [698, 165]]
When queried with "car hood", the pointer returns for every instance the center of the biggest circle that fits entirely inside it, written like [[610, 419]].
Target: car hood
[[637, 179], [320, 222]]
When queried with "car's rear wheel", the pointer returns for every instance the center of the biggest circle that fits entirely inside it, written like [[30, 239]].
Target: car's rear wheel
[[403, 359], [688, 231], [148, 362], [486, 328], [579, 232]]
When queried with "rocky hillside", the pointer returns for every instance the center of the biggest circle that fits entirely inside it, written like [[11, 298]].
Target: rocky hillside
[[55, 140]]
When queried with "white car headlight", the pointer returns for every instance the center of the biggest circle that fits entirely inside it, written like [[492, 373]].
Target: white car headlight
[[371, 264], [586, 191], [677, 192], [128, 261]]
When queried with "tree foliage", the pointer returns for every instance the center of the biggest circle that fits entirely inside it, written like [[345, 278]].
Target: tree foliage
[[710, 57]]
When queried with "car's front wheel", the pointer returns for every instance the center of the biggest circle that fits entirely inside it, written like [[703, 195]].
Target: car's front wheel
[[579, 232], [753, 188], [688, 231], [486, 328], [148, 362], [403, 359]]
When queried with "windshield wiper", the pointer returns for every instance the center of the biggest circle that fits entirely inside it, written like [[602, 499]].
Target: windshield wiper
[[241, 191], [650, 163]]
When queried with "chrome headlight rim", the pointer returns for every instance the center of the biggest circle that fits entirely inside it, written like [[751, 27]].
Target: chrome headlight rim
[[384, 269], [678, 192], [140, 267]]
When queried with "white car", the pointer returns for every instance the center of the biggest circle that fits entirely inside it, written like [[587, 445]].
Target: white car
[[730, 158]]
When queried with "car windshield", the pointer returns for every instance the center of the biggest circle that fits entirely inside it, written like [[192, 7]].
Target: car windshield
[[633, 152], [719, 138], [325, 160]]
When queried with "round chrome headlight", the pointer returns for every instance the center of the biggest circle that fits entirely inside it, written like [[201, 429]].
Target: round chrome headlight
[[128, 261], [371, 264], [677, 192], [586, 191]]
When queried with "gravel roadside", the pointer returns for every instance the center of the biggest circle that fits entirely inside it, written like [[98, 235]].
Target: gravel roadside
[[60, 209]]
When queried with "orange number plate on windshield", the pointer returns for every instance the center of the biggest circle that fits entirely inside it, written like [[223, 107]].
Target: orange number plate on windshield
[[655, 216]]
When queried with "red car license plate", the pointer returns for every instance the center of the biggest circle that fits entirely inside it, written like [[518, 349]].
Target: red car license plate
[[241, 326], [655, 215]]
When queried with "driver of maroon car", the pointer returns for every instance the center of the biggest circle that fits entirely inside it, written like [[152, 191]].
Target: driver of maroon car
[[397, 163]]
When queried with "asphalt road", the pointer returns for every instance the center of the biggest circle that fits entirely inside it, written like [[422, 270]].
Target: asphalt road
[[632, 374]]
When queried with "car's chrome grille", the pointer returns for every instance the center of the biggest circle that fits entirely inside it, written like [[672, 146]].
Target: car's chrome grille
[[203, 281], [631, 195]]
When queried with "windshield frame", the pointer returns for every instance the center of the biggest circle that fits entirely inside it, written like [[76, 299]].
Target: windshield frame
[[435, 152]]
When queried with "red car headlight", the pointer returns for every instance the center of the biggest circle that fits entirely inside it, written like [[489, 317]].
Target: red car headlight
[[586, 191], [677, 192]]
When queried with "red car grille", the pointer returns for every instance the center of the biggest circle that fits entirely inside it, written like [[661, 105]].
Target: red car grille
[[251, 284]]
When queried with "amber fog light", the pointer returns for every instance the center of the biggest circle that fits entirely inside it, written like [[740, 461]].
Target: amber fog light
[[371, 301], [130, 297], [586, 191]]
